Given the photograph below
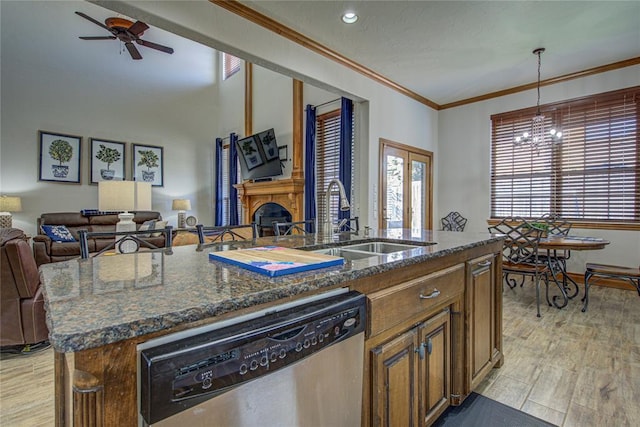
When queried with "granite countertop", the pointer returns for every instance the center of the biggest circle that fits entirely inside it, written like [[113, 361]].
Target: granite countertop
[[107, 299]]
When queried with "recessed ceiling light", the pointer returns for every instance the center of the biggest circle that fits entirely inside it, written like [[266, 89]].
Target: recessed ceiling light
[[349, 18]]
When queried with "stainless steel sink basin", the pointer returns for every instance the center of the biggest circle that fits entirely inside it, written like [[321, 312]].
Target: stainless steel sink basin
[[346, 254], [380, 247]]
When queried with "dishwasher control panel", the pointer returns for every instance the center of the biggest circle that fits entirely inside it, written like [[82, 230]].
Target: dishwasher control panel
[[180, 374]]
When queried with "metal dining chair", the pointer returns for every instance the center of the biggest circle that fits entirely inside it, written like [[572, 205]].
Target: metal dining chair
[[520, 254], [453, 222], [554, 225], [126, 241], [296, 227], [211, 235]]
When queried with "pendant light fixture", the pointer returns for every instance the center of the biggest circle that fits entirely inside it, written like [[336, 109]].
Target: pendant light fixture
[[538, 134]]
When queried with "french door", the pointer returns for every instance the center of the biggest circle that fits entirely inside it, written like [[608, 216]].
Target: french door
[[405, 186]]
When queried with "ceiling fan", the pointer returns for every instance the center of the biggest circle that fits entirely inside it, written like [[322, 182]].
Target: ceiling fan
[[127, 32]]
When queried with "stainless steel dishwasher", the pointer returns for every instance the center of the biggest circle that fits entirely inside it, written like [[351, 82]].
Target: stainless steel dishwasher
[[298, 364]]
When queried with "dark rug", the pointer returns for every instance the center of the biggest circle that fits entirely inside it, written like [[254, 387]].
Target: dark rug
[[480, 411]]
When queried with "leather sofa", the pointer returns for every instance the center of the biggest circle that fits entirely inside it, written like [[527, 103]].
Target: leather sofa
[[22, 311], [45, 250]]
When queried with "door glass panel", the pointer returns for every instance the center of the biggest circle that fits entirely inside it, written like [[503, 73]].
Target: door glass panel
[[395, 191], [418, 192]]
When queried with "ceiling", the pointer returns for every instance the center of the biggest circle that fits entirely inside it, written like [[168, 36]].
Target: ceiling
[[445, 51]]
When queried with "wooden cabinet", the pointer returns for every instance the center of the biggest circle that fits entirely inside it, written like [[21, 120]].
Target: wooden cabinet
[[411, 375], [483, 318]]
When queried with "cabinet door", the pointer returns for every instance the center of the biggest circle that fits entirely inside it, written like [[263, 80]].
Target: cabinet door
[[481, 318], [394, 376], [434, 366]]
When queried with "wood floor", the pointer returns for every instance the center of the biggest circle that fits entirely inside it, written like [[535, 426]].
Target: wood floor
[[569, 368]]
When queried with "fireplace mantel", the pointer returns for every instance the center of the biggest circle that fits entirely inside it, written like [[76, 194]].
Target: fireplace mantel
[[286, 192]]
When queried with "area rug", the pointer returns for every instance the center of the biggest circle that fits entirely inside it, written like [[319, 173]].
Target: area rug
[[480, 411]]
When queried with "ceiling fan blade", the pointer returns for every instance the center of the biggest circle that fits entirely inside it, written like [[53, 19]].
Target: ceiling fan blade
[[133, 51], [87, 17], [155, 46], [138, 28], [99, 38]]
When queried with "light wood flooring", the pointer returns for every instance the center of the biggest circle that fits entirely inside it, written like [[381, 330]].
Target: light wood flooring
[[569, 368]]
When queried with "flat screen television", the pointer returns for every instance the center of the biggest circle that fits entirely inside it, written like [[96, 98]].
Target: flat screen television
[[259, 156]]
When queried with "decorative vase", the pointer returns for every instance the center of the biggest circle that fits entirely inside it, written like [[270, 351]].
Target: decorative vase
[[60, 171], [148, 176], [107, 174]]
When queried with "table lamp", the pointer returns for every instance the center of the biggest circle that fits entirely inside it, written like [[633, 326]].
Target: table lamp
[[9, 204], [124, 196], [181, 205]]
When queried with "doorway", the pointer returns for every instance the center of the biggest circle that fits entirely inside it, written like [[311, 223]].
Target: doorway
[[406, 186]]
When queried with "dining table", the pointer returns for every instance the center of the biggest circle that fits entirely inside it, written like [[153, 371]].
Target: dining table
[[559, 249]]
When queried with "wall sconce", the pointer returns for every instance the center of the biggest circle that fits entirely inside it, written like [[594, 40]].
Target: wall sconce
[[9, 204], [181, 205]]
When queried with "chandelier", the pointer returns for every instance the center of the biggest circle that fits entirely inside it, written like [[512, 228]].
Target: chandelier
[[538, 135]]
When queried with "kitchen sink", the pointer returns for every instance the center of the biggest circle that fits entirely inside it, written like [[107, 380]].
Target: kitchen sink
[[380, 247], [345, 253]]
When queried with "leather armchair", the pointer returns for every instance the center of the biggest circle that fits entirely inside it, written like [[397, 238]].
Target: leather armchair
[[22, 311]]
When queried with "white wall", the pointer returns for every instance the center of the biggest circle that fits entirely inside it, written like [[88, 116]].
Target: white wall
[[390, 115], [465, 160]]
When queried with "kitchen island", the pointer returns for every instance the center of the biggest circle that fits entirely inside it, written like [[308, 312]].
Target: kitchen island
[[100, 309]]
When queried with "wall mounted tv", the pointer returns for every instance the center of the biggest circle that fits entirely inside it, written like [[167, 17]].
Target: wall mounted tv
[[259, 156]]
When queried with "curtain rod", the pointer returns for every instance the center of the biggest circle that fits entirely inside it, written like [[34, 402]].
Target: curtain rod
[[328, 102]]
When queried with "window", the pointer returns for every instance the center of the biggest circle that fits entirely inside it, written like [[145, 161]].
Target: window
[[230, 65], [226, 185], [328, 160], [593, 175]]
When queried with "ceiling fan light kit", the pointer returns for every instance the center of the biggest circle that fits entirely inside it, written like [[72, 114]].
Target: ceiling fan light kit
[[127, 32]]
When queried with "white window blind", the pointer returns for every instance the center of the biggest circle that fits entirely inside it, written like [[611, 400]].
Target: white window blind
[[328, 160], [230, 65], [593, 175]]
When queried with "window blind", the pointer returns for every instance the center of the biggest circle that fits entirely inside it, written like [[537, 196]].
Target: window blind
[[230, 65], [328, 160], [593, 175]]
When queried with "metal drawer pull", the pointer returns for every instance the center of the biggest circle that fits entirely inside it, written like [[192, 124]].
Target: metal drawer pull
[[433, 294], [486, 263]]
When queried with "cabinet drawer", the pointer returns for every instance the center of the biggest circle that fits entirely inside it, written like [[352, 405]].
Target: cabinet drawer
[[398, 303]]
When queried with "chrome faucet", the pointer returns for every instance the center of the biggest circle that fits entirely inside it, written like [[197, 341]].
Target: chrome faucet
[[344, 205]]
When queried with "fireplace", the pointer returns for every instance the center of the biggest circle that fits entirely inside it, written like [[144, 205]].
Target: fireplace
[[286, 193], [267, 214]]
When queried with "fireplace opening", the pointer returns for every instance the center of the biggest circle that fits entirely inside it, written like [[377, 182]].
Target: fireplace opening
[[267, 214]]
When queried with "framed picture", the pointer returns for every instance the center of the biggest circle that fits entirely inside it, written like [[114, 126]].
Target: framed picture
[[148, 164], [251, 153], [59, 157], [106, 160], [269, 145]]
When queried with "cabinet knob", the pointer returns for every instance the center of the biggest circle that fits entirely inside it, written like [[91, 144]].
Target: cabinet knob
[[485, 263], [433, 294]]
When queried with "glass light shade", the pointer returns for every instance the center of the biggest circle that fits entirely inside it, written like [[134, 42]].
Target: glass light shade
[[10, 204]]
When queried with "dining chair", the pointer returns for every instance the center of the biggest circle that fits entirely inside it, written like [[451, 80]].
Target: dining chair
[[210, 235], [556, 226], [296, 227], [520, 254], [126, 241], [453, 221], [631, 274]]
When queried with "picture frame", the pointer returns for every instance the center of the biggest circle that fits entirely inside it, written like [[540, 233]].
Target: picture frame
[[269, 145], [251, 153], [60, 157], [148, 164], [106, 154]]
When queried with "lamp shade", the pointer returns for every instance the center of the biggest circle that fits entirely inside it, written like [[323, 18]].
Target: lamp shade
[[181, 205], [124, 196], [10, 204]]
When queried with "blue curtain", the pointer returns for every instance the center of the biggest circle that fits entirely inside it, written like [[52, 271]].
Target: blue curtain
[[219, 191], [346, 131], [310, 167], [233, 171]]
